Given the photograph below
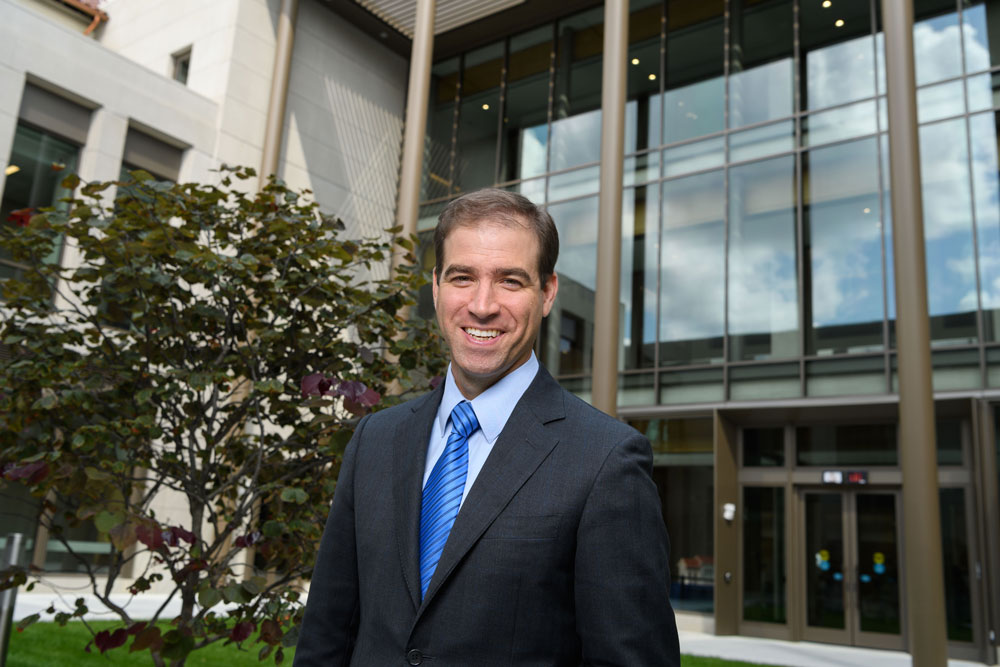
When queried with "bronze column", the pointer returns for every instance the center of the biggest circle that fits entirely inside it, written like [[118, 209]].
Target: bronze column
[[609, 215], [921, 510], [412, 161], [279, 90]]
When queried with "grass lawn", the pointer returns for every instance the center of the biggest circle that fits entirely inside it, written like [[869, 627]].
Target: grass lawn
[[46, 644]]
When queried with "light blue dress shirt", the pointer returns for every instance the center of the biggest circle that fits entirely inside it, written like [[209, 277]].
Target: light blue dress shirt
[[492, 408]]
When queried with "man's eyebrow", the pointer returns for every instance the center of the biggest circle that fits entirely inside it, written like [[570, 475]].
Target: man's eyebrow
[[452, 269], [513, 272]]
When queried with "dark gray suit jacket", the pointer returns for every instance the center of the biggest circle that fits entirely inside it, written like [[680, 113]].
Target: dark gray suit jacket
[[559, 555]]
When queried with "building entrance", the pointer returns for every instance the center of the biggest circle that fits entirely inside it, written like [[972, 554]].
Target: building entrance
[[851, 567]]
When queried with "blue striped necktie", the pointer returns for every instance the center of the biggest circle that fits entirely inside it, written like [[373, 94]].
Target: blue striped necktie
[[443, 492]]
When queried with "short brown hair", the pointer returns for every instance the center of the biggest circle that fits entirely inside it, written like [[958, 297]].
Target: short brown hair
[[505, 208]]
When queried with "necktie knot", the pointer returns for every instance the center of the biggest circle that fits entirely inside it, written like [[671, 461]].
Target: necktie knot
[[463, 419]]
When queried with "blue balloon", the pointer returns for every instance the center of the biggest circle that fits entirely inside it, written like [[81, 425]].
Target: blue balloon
[[879, 568], [866, 578], [824, 565], [838, 576]]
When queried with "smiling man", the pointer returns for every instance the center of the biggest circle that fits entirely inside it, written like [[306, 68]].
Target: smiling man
[[498, 520]]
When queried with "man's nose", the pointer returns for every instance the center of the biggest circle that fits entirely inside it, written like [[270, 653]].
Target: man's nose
[[483, 303]]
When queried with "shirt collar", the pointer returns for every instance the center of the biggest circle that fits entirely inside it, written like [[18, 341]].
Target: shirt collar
[[494, 406]]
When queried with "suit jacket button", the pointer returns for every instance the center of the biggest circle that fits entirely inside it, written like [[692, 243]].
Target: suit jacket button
[[414, 657]]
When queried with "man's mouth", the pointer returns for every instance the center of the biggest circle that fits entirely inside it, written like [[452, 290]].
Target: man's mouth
[[481, 334]]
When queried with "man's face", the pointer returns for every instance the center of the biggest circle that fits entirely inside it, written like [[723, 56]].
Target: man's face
[[490, 301]]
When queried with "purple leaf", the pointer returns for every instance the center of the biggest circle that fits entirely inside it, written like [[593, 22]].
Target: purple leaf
[[242, 631]]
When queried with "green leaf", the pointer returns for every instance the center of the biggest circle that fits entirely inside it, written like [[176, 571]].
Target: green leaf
[[209, 597], [96, 475], [27, 621], [292, 495], [106, 520], [46, 402]]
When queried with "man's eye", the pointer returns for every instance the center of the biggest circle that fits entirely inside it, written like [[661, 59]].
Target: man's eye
[[512, 282], [461, 279]]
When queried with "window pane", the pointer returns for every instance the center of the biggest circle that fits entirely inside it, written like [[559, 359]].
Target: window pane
[[692, 386], [692, 288], [955, 553], [986, 184], [981, 32], [576, 117], [764, 565], [694, 101], [682, 470], [843, 305], [763, 447], [948, 434], [846, 445], [940, 101], [640, 231], [824, 560], [760, 81], [983, 91], [762, 141], [694, 156], [850, 376], [759, 382], [642, 111], [937, 52], [38, 164], [567, 336], [878, 563], [18, 514], [440, 123], [824, 127], [947, 202], [839, 53], [479, 114], [526, 131], [763, 290]]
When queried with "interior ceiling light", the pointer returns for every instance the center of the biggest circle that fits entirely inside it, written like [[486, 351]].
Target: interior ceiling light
[[12, 169], [827, 4], [867, 210], [839, 23], [635, 61], [652, 77], [486, 107]]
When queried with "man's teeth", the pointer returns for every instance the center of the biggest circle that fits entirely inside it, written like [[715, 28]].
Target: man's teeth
[[482, 333]]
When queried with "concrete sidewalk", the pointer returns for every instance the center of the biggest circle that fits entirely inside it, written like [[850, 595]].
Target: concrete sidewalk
[[795, 654]]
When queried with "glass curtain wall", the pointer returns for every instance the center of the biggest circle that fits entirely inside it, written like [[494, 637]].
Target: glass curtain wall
[[757, 250]]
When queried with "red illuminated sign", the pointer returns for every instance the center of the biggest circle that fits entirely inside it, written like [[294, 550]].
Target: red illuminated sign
[[845, 477]]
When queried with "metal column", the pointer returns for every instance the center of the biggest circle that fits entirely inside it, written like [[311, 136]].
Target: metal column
[[609, 216], [926, 623], [279, 90], [412, 163]]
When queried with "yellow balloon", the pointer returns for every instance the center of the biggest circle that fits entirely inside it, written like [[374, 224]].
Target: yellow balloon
[[824, 554], [878, 558]]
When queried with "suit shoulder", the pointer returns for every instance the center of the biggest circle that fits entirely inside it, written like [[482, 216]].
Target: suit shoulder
[[405, 409], [598, 426]]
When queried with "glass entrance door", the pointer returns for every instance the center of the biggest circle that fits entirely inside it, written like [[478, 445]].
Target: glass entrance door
[[852, 572]]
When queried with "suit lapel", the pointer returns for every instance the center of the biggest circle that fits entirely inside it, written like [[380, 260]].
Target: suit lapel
[[522, 446], [408, 459]]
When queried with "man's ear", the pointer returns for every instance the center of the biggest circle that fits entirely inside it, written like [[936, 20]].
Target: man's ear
[[549, 290], [434, 286]]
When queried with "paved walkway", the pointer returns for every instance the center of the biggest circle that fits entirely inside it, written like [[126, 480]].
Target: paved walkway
[[795, 654]]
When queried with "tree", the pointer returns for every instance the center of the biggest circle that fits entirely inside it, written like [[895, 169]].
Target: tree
[[212, 344]]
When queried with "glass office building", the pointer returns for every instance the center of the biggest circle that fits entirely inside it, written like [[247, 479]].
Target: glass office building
[[756, 310]]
